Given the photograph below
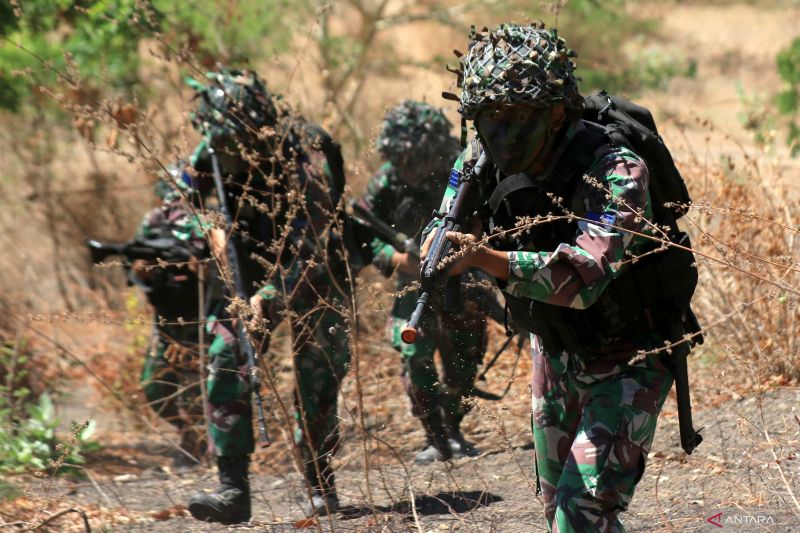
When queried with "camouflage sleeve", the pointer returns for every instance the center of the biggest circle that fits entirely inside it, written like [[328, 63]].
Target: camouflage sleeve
[[575, 274], [190, 229], [150, 223], [378, 199], [200, 156]]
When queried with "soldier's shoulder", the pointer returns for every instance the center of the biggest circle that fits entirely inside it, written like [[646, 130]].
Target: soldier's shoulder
[[151, 221], [615, 160], [311, 135]]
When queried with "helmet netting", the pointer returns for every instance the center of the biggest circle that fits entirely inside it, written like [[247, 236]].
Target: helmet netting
[[414, 129], [233, 103], [515, 64]]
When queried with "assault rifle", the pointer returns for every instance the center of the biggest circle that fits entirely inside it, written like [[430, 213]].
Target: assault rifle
[[153, 250], [399, 240], [476, 289], [238, 285], [432, 274]]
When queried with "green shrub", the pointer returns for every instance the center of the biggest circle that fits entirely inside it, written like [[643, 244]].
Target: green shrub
[[28, 439], [97, 44], [788, 100]]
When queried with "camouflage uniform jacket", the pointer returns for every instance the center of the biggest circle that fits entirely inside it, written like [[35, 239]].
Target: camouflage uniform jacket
[[292, 232], [172, 290], [402, 206], [575, 273]]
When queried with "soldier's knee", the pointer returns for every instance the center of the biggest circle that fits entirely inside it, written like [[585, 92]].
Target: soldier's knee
[[419, 365], [153, 392]]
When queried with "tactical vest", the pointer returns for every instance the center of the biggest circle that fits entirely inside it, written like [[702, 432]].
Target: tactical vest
[[650, 296]]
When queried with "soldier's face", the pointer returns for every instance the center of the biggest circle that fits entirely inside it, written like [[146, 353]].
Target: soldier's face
[[517, 136], [415, 172]]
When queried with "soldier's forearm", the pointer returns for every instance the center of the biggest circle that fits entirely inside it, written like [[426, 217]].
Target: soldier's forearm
[[218, 242], [493, 262]]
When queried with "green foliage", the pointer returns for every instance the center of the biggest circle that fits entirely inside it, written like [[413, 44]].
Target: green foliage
[[231, 32], [28, 438], [756, 117], [97, 43], [602, 33], [788, 100], [92, 43]]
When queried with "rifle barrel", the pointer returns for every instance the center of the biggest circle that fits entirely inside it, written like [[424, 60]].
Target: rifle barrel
[[411, 329], [241, 330]]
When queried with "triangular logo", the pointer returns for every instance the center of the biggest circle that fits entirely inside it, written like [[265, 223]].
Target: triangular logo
[[715, 520]]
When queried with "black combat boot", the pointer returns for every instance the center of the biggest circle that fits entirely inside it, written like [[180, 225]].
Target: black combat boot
[[230, 504], [324, 500], [459, 445], [437, 448]]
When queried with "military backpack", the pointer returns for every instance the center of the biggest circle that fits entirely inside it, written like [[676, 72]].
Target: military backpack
[[654, 293]]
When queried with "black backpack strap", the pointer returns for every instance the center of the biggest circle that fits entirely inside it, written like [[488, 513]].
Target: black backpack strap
[[508, 186], [577, 157]]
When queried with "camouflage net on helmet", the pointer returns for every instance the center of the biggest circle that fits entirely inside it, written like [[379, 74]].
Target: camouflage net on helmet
[[414, 129], [518, 65], [233, 103]]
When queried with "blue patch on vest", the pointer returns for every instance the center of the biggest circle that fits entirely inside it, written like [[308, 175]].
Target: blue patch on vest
[[606, 220], [455, 177]]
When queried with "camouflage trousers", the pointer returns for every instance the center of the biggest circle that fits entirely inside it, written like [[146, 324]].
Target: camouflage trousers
[[321, 360], [461, 340], [593, 425], [228, 390], [170, 380]]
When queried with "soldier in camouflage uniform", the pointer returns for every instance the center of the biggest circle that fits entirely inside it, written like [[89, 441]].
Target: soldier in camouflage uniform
[[170, 376], [416, 142], [284, 178], [594, 407]]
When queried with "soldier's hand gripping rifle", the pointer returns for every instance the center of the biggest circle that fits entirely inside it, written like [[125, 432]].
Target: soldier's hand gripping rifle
[[477, 289], [432, 275], [398, 239], [238, 285]]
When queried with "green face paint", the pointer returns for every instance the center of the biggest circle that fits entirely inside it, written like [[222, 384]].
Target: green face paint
[[514, 135]]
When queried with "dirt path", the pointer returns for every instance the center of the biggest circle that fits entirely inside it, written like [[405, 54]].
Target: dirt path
[[733, 472]]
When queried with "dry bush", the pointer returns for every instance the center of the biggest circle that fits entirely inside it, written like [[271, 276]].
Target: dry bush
[[744, 227]]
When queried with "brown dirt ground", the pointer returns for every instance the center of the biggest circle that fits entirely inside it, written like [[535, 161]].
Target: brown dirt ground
[[734, 472]]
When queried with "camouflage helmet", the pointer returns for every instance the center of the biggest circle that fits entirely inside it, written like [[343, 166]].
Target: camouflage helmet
[[233, 103], [515, 64], [414, 129]]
